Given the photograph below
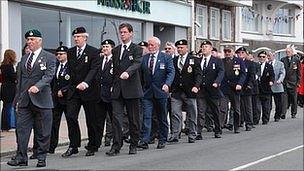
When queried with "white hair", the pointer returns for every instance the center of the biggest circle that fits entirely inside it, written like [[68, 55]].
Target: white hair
[[157, 40], [292, 48]]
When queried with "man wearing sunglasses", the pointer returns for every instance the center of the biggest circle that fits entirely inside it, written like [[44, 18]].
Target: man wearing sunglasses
[[265, 82]]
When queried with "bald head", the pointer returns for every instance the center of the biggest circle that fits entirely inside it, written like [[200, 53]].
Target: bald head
[[153, 44]]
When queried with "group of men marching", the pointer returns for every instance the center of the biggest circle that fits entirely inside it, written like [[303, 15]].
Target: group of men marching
[[141, 84]]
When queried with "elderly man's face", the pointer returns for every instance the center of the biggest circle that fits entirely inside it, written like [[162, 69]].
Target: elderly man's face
[[153, 46], [289, 52], [106, 49], [206, 49], [182, 49], [79, 39], [33, 43], [61, 56]]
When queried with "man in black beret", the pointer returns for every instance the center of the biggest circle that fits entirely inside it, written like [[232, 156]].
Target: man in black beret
[[59, 88], [84, 63], [144, 46], [33, 100]]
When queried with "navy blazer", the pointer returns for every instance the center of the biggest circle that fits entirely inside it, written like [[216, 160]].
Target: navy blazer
[[60, 83], [266, 77], [234, 75], [248, 85], [163, 74], [214, 73]]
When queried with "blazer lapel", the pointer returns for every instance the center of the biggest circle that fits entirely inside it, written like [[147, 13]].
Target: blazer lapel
[[39, 61]]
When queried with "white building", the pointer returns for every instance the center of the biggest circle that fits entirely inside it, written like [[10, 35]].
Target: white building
[[56, 19]]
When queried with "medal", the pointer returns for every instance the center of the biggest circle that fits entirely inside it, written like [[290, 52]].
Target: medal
[[236, 72], [213, 66], [67, 77], [111, 71], [191, 61], [130, 58], [86, 59], [189, 69]]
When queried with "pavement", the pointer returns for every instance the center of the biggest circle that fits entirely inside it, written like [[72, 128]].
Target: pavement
[[275, 146]]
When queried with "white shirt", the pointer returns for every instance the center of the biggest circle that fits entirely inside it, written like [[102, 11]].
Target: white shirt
[[155, 60], [207, 61], [36, 54], [104, 60], [184, 59], [59, 68], [82, 48], [122, 48]]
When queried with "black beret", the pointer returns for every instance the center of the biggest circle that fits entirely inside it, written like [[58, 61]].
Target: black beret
[[214, 49], [143, 43], [206, 42], [262, 53], [79, 30], [33, 33], [108, 42], [181, 42], [241, 49], [62, 49]]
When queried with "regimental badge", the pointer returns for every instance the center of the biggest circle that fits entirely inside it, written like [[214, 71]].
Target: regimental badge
[[161, 66], [131, 58], [246, 70], [191, 61], [42, 67], [39, 61], [189, 69], [213, 66], [107, 42], [31, 33], [86, 59], [236, 72], [111, 70], [67, 77]]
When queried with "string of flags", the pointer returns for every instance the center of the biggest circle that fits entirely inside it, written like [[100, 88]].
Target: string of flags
[[251, 14]]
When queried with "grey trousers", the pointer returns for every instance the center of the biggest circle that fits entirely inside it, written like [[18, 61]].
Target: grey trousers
[[191, 109]]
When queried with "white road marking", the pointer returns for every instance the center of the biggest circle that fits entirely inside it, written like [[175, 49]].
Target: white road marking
[[265, 158]]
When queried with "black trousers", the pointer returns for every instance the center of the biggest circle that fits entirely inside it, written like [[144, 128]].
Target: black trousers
[[234, 99], [103, 109], [246, 110], [278, 105], [73, 108], [133, 113], [57, 113], [290, 99], [256, 111], [265, 103], [41, 120]]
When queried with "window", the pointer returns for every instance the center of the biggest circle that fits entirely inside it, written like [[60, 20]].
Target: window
[[250, 19], [226, 25], [214, 23], [283, 24], [201, 19]]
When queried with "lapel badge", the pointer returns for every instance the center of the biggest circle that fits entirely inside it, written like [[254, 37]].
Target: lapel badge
[[86, 59], [67, 77], [111, 71], [39, 61], [31, 33], [189, 69], [246, 70], [191, 61], [131, 58], [213, 65]]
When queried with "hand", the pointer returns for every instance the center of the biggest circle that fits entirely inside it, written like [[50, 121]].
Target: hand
[[238, 87], [270, 83], [279, 82], [81, 86], [124, 76], [165, 88], [59, 94], [33, 90], [194, 90], [215, 85]]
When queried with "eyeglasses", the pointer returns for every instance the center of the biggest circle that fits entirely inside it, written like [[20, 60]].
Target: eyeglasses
[[167, 48]]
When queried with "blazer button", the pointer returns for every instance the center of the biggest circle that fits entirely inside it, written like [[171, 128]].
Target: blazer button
[[204, 83], [181, 84]]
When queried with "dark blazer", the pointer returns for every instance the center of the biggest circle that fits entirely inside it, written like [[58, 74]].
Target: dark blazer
[[293, 74], [257, 74], [163, 74], [8, 87], [61, 83], [248, 85], [41, 76], [214, 73], [266, 77], [84, 70], [234, 74], [189, 77], [105, 80], [130, 63]]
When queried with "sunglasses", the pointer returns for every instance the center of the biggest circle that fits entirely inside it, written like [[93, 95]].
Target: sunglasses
[[60, 54], [263, 56], [167, 48], [241, 52]]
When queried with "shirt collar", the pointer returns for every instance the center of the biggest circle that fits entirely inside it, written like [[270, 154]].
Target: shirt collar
[[128, 44], [208, 57], [155, 54], [37, 52], [82, 48], [63, 63], [109, 57]]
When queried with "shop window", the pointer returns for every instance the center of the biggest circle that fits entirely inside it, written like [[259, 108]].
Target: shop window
[[226, 25], [250, 18], [283, 23], [201, 19], [214, 23]]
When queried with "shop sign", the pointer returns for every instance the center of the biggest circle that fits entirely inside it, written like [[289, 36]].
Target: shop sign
[[131, 5]]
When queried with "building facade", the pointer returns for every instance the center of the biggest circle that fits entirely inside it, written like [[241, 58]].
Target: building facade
[[168, 20]]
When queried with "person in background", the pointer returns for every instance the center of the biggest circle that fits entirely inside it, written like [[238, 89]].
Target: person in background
[[8, 90], [301, 87], [170, 49], [144, 46], [25, 50]]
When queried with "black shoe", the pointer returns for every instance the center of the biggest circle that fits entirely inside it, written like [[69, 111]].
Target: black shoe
[[248, 128], [112, 152], [185, 131], [173, 140], [90, 153], [17, 163], [191, 140], [229, 127], [41, 163], [51, 151], [293, 116], [217, 136], [276, 120], [33, 156], [107, 143], [283, 117], [161, 145], [132, 150], [236, 131], [199, 137], [70, 152], [142, 145]]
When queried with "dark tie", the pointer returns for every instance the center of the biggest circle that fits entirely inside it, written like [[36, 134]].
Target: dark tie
[[124, 52], [151, 64], [105, 63], [289, 61], [79, 53], [61, 70], [29, 63], [205, 64]]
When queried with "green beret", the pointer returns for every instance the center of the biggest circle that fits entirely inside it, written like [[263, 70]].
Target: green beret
[[108, 42], [262, 53], [181, 42], [62, 49], [32, 33]]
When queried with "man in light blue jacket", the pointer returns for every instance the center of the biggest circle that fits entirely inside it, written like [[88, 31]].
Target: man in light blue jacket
[[277, 87]]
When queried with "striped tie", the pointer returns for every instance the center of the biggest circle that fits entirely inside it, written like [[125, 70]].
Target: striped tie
[[29, 63]]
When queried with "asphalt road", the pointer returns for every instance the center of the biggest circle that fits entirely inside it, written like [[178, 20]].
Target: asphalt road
[[276, 146]]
